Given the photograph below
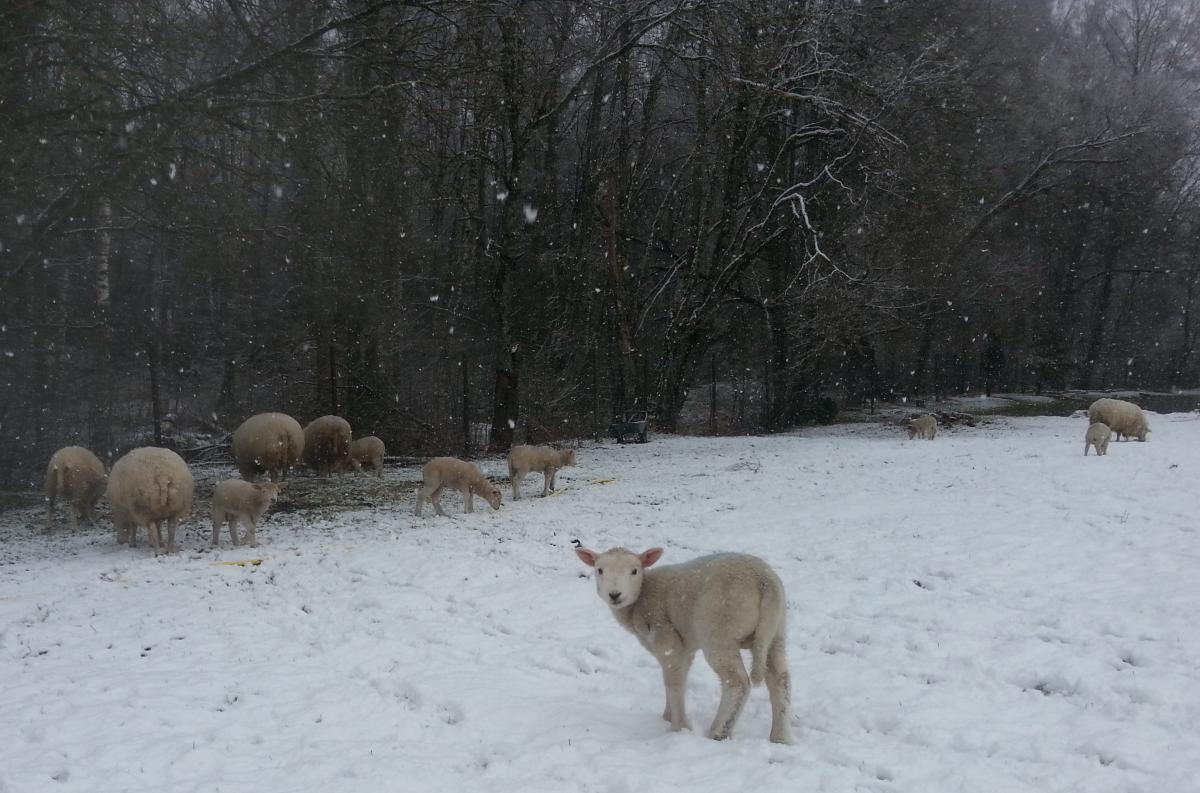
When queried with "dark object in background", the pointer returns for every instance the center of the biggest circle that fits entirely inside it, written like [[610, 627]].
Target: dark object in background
[[634, 425]]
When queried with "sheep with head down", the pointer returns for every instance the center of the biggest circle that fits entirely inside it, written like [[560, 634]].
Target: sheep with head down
[[150, 487], [77, 475], [718, 605], [546, 460], [327, 444], [269, 443], [1122, 417], [442, 472]]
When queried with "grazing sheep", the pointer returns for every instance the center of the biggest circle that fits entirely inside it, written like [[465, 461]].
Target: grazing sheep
[[367, 452], [718, 604], [268, 442], [78, 476], [924, 427], [1123, 418], [327, 444], [1098, 435], [237, 501], [148, 487], [524, 460], [443, 472]]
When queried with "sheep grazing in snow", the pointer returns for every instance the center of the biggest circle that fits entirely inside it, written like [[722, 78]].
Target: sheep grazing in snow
[[1098, 435], [924, 427], [443, 472], [367, 453], [149, 487], [524, 460], [1123, 418], [268, 443], [718, 604], [78, 476], [237, 501], [327, 444]]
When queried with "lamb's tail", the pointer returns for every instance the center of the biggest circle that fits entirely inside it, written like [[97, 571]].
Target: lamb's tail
[[771, 610]]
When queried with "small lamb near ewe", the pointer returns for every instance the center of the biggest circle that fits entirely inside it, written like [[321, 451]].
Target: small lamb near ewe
[[443, 472], [268, 443], [717, 604], [367, 453], [78, 476], [924, 427], [241, 502], [1098, 435], [149, 487], [524, 460], [1124, 418], [327, 444]]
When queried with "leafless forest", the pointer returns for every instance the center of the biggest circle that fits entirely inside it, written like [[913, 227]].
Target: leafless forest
[[436, 217]]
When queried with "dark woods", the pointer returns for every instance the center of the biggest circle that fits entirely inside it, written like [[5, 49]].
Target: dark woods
[[455, 222]]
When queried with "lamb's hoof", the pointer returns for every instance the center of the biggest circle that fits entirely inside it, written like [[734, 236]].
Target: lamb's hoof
[[784, 739], [719, 736]]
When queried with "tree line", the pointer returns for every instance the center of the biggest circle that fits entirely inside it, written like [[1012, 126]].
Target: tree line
[[458, 222]]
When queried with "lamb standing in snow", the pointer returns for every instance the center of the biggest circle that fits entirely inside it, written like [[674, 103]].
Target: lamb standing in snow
[[367, 452], [241, 502], [443, 472], [924, 427], [1098, 435], [78, 476], [327, 444], [1123, 418], [267, 442], [524, 460], [718, 604], [148, 487]]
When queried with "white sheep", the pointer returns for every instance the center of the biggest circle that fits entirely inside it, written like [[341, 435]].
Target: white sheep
[[367, 452], [241, 502], [523, 460], [267, 442], [327, 444], [718, 604], [924, 427], [148, 487], [78, 476], [443, 472], [1124, 418], [1098, 435]]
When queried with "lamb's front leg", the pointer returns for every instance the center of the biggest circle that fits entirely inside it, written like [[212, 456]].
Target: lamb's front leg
[[675, 663], [547, 475], [468, 499]]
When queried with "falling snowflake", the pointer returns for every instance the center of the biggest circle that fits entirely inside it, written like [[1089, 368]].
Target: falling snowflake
[[531, 213]]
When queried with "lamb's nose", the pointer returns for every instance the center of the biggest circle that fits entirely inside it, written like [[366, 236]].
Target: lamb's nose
[[614, 596]]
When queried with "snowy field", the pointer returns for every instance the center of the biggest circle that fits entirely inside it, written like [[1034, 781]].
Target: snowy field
[[988, 612]]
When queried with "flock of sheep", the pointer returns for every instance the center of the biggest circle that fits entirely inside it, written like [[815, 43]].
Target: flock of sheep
[[718, 605]]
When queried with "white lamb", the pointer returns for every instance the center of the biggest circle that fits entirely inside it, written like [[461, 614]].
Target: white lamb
[[924, 427], [1098, 435], [1124, 418], [442, 472], [237, 501], [718, 604], [523, 460]]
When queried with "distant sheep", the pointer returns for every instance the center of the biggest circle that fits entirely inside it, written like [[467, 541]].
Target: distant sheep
[[367, 453], [236, 501], [718, 604], [443, 472], [924, 427], [268, 443], [1098, 435], [149, 487], [327, 444], [1124, 418], [524, 460], [77, 475]]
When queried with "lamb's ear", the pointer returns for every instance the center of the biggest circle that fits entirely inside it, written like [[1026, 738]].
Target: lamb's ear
[[651, 556], [257, 486], [586, 556]]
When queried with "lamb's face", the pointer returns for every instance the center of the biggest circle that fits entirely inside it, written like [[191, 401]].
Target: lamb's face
[[493, 497], [568, 457], [619, 573]]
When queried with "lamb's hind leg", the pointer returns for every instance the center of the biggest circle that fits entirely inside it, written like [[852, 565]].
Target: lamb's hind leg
[[726, 661], [172, 524], [779, 686], [547, 476]]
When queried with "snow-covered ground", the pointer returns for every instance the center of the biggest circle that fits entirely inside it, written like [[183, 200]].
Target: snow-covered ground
[[990, 612]]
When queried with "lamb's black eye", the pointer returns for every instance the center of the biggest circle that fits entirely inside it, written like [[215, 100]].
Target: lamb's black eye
[[635, 571], [599, 571]]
